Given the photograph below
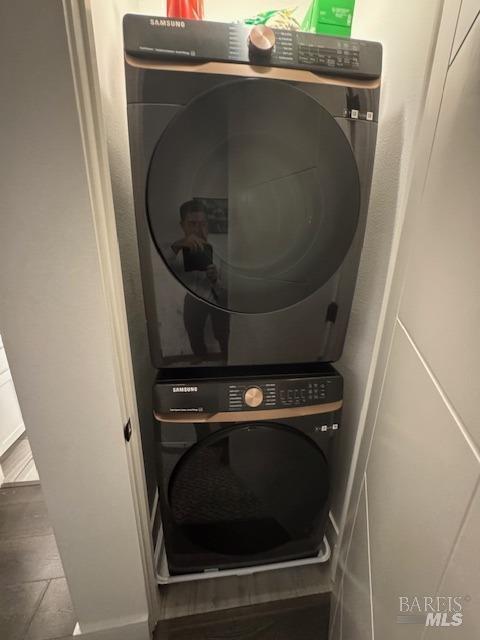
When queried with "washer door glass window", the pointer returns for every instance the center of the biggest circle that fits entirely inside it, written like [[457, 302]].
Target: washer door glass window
[[250, 489], [253, 196]]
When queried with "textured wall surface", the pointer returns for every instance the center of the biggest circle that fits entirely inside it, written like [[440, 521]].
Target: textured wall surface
[[413, 526], [404, 78], [222, 11]]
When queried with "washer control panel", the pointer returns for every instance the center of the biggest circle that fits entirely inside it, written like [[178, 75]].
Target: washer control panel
[[202, 41], [280, 394], [244, 394]]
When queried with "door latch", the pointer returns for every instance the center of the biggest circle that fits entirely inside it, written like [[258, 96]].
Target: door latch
[[127, 430]]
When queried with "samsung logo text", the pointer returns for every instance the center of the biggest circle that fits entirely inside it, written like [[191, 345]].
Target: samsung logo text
[[161, 22]]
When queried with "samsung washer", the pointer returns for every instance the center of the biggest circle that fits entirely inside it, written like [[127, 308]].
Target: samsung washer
[[243, 463]]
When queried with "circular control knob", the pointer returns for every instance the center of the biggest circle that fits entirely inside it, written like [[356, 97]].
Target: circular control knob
[[253, 397], [261, 40]]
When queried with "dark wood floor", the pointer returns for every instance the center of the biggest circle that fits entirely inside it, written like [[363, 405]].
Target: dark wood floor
[[295, 619], [34, 599], [182, 599], [18, 465], [35, 603]]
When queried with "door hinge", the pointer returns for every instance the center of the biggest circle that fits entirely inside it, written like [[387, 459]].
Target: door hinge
[[127, 430]]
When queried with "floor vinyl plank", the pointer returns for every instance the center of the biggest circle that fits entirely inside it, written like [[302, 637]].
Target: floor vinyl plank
[[28, 559], [19, 519], [28, 475], [54, 617], [16, 459], [18, 604], [296, 619], [9, 495], [202, 596]]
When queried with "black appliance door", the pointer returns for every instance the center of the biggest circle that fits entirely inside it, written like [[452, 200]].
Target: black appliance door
[[253, 196], [250, 489]]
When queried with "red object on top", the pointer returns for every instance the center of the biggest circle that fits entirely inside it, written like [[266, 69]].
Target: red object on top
[[190, 9]]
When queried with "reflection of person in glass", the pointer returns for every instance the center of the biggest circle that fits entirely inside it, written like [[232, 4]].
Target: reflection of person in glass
[[191, 259]]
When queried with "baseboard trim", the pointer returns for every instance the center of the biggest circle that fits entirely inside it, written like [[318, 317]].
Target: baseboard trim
[[139, 630]]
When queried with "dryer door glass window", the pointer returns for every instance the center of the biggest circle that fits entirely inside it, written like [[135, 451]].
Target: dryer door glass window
[[250, 489], [253, 196]]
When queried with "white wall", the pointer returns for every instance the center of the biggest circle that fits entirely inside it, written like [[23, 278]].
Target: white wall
[[407, 31], [414, 528], [56, 328], [223, 11]]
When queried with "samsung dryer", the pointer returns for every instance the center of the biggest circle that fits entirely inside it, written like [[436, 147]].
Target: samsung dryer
[[252, 154]]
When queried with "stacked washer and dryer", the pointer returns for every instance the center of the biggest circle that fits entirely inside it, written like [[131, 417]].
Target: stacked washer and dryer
[[252, 152]]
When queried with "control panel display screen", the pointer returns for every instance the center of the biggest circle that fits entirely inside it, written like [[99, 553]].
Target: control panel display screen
[[311, 392]]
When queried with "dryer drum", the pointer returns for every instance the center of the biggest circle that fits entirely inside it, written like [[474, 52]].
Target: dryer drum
[[249, 489]]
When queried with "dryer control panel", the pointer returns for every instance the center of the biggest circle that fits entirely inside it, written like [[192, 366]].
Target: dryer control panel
[[175, 39], [246, 393]]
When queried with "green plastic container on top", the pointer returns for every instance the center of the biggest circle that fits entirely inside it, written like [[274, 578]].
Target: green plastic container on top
[[332, 17]]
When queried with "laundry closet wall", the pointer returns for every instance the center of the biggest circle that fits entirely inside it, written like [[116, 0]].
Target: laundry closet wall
[[414, 519], [407, 31]]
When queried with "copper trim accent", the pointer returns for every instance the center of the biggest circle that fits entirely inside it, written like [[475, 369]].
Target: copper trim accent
[[251, 71], [243, 416]]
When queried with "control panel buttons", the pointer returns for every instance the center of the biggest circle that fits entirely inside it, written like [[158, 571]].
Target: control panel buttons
[[321, 55], [261, 40], [303, 392], [310, 392], [253, 397]]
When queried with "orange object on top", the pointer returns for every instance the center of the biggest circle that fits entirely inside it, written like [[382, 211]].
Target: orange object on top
[[190, 9]]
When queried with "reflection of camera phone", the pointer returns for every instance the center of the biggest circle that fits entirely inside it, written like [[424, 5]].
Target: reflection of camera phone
[[198, 260]]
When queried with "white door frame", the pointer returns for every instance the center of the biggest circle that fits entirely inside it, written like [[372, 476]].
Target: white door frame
[[84, 69]]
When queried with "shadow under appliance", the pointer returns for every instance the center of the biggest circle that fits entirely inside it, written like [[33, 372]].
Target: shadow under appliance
[[267, 139], [243, 466]]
